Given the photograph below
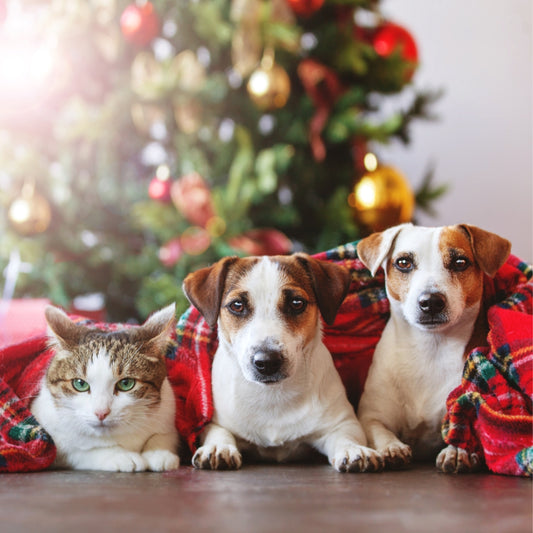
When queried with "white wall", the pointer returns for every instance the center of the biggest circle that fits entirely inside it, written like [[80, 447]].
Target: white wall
[[480, 53]]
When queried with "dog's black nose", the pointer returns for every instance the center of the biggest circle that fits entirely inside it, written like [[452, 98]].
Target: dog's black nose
[[432, 303], [267, 362]]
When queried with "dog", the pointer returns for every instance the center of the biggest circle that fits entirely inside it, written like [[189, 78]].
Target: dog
[[434, 282], [276, 392]]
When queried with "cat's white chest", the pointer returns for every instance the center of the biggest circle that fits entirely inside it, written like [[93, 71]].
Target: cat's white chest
[[105, 399]]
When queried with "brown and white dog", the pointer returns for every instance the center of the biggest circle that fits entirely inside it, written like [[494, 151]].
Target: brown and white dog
[[434, 282], [276, 391]]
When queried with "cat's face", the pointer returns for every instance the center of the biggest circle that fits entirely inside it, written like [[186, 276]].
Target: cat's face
[[107, 383]]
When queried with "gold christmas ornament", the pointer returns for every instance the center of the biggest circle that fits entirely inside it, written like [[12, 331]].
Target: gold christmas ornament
[[30, 213], [190, 73], [382, 197], [146, 115], [148, 77], [188, 115], [269, 86]]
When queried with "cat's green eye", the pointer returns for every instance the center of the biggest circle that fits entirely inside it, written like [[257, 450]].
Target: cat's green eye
[[125, 384], [80, 385]]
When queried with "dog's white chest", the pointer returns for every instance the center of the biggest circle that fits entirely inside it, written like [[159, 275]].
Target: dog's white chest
[[424, 406], [265, 421], [418, 374]]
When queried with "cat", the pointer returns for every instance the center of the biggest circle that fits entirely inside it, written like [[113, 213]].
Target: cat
[[105, 398]]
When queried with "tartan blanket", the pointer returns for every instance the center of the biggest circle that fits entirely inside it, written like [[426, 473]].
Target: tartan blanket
[[490, 412], [25, 445]]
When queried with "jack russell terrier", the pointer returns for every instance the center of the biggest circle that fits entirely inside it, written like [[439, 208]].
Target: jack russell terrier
[[434, 282], [276, 391]]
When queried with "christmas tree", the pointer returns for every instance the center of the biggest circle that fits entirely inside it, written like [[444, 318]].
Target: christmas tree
[[141, 141]]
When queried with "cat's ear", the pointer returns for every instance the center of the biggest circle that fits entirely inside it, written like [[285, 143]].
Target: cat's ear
[[156, 331], [62, 331]]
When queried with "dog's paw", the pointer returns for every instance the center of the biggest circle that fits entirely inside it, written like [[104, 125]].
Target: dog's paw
[[397, 455], [453, 460], [357, 459], [222, 457]]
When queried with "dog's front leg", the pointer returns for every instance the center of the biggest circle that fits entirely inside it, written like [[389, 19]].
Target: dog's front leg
[[218, 451], [395, 453], [345, 449]]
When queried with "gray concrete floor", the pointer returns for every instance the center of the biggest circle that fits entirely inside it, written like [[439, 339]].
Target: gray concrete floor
[[265, 498]]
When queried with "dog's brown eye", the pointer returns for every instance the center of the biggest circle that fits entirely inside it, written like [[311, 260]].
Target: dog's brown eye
[[236, 307], [298, 304], [404, 264], [460, 263]]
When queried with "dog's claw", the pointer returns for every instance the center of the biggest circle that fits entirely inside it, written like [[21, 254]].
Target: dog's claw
[[225, 457], [453, 460], [397, 456], [357, 459]]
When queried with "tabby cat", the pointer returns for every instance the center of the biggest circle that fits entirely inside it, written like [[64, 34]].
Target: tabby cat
[[105, 399]]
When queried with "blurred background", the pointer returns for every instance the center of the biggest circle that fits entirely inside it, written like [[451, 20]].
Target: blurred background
[[142, 140], [480, 52]]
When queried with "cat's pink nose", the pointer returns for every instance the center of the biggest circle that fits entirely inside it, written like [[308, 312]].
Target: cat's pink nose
[[102, 414]]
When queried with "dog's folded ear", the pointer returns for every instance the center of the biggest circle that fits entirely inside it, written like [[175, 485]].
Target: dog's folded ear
[[375, 248], [490, 250], [205, 287], [330, 282]]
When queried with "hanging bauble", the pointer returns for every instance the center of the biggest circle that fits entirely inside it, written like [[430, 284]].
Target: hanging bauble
[[171, 252], [382, 197], [147, 76], [269, 86], [263, 241], [189, 72], [305, 8], [188, 114], [29, 213], [160, 185], [195, 240], [193, 199], [140, 23], [389, 38], [147, 116]]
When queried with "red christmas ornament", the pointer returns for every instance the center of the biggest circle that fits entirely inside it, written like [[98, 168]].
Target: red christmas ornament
[[192, 197], [160, 190], [171, 252], [195, 240], [264, 241], [305, 8], [139, 24], [390, 37]]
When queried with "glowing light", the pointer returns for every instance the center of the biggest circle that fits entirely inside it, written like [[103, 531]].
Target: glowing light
[[24, 65], [226, 130], [365, 193], [370, 161], [259, 83], [163, 172], [20, 210], [29, 60]]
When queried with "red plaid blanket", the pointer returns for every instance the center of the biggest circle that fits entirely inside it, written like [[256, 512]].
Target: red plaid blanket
[[490, 412], [25, 446]]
